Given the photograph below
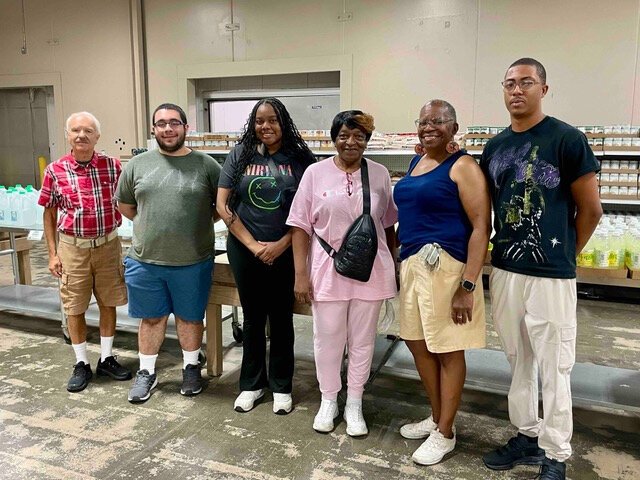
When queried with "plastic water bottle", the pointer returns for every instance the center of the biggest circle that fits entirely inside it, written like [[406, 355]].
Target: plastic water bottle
[[632, 258], [617, 254], [39, 212], [28, 208], [4, 205], [15, 209], [587, 257], [126, 229], [596, 238], [34, 194], [603, 247]]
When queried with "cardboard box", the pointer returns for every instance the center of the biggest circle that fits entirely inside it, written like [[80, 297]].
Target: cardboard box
[[583, 272]]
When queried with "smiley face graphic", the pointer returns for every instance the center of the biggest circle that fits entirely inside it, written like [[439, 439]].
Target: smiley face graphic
[[263, 193]]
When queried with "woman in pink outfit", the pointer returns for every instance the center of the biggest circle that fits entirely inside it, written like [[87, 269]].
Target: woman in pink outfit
[[345, 311]]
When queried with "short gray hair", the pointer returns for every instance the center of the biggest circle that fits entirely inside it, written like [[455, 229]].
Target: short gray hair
[[83, 114], [444, 104]]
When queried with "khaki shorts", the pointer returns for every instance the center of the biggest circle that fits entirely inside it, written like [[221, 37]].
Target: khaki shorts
[[96, 270], [425, 306]]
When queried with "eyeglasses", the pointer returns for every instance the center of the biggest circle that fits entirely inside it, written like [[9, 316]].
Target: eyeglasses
[[434, 122], [172, 123], [524, 85], [349, 184]]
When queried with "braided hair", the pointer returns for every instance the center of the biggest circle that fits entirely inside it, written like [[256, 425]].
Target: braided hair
[[293, 146]]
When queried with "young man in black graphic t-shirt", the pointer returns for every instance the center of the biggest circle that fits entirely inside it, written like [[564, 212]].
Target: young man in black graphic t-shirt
[[541, 175]]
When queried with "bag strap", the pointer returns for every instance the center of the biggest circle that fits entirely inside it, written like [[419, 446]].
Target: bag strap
[[366, 196], [277, 176], [366, 205], [327, 248]]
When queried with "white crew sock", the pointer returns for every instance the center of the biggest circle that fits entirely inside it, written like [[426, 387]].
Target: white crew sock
[[106, 347], [148, 362], [190, 358], [81, 352]]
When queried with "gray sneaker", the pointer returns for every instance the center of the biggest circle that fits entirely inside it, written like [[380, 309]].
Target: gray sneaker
[[142, 385]]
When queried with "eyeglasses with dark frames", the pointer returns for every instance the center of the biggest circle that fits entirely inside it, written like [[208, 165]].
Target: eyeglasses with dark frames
[[171, 123]]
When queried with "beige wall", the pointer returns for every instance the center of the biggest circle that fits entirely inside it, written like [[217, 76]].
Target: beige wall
[[87, 45], [400, 53], [405, 52]]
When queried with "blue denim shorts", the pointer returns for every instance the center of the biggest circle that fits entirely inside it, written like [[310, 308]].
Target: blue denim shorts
[[158, 290]]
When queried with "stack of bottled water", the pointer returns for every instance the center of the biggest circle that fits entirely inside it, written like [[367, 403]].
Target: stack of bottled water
[[126, 229], [19, 207], [614, 244]]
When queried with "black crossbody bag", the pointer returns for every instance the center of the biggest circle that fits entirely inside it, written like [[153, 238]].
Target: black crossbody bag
[[360, 244]]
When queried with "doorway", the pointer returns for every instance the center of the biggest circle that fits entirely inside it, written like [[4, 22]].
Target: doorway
[[24, 133]]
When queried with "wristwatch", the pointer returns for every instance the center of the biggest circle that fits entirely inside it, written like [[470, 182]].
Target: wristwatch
[[467, 285]]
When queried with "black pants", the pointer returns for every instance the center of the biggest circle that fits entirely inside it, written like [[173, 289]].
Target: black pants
[[265, 292]]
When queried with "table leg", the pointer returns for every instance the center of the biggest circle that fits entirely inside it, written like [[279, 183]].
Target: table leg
[[214, 339], [24, 267]]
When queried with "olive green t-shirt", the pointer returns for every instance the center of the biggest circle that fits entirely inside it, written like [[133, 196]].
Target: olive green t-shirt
[[175, 199]]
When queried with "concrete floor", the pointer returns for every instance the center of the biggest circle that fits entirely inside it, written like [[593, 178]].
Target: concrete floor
[[48, 433]]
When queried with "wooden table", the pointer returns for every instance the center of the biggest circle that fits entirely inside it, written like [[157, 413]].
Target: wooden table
[[22, 247], [224, 292]]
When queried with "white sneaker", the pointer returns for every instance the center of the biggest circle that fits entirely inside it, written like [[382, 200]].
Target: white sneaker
[[282, 403], [417, 430], [323, 422], [247, 399], [434, 448], [356, 426]]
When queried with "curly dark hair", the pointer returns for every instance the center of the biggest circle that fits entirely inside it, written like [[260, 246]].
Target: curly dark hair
[[293, 146]]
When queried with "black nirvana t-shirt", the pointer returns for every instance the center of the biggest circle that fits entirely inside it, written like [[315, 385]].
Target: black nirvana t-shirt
[[262, 209], [530, 175]]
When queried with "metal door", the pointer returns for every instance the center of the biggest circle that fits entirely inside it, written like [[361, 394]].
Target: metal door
[[24, 134]]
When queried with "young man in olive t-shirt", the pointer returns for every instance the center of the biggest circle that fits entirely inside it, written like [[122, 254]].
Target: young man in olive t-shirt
[[169, 194]]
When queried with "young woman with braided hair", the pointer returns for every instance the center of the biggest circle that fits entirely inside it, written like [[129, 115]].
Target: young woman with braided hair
[[254, 202]]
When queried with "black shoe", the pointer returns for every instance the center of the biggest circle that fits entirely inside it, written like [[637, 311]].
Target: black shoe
[[110, 367], [552, 470], [191, 380], [80, 377], [519, 450]]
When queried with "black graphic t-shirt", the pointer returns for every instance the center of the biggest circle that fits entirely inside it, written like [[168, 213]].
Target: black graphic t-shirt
[[530, 175], [262, 208]]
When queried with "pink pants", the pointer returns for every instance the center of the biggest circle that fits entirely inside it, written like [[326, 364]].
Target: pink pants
[[338, 324]]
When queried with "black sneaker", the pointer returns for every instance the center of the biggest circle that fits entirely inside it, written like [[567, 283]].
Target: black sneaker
[[142, 385], [80, 377], [552, 470], [519, 450], [110, 367], [191, 380]]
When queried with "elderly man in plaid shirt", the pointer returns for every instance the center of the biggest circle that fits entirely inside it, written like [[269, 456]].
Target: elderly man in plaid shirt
[[87, 256]]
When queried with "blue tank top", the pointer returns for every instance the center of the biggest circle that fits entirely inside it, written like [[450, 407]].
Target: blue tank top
[[429, 210]]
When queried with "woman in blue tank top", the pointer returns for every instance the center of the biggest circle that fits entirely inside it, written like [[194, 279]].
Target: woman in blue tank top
[[443, 214]]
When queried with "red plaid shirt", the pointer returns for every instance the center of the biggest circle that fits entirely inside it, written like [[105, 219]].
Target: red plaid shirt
[[84, 195]]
